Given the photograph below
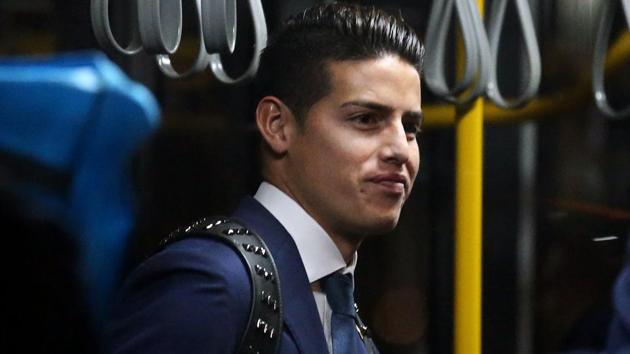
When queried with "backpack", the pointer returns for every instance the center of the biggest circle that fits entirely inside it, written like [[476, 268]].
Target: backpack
[[264, 327]]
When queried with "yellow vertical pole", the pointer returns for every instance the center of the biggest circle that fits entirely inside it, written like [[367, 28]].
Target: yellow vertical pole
[[468, 226]]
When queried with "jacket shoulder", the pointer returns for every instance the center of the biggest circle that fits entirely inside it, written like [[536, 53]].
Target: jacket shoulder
[[193, 296]]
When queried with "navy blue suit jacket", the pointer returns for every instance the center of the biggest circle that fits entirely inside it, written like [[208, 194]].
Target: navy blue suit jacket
[[619, 331], [195, 295]]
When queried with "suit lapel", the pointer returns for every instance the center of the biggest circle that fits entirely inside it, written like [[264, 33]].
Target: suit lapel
[[301, 318]]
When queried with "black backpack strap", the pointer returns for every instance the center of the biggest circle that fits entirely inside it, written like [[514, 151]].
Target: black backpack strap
[[365, 333], [264, 328]]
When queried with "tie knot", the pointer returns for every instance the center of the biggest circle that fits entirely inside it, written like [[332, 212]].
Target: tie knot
[[339, 292]]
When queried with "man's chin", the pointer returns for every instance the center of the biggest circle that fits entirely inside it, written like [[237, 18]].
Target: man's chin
[[382, 224]]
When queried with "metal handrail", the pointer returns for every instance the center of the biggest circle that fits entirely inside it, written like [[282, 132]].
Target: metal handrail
[[467, 331]]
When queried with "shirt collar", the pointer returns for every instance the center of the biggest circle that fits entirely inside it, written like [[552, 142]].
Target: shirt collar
[[319, 253]]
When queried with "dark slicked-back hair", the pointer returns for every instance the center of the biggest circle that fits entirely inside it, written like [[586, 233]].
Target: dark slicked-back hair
[[293, 65]]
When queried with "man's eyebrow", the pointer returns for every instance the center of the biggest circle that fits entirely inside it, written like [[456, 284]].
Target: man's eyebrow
[[415, 115], [368, 104]]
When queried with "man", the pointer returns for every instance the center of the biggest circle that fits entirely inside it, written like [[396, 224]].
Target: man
[[338, 112]]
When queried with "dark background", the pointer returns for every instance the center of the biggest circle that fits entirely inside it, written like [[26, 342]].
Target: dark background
[[204, 158]]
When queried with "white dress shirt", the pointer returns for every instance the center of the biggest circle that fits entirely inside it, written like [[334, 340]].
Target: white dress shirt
[[319, 253]]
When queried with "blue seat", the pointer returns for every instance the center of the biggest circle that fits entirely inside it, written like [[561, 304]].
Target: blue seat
[[69, 126]]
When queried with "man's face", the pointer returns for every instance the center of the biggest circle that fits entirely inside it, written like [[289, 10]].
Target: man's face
[[352, 163]]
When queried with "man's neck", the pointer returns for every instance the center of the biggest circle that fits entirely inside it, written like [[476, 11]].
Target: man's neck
[[346, 244], [346, 247], [320, 254]]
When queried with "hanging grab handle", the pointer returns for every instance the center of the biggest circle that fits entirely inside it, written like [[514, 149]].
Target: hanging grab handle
[[532, 53], [260, 41], [476, 73], [599, 59], [479, 74], [219, 25], [437, 32], [157, 29], [201, 62], [99, 13], [485, 62], [160, 23]]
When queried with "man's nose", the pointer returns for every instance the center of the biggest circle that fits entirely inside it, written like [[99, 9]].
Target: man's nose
[[395, 149]]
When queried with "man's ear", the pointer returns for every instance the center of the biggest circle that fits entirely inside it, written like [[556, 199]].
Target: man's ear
[[275, 122]]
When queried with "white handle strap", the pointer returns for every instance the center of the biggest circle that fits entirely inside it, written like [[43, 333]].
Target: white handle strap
[[477, 52], [599, 59], [260, 41], [219, 25], [99, 12], [436, 38], [160, 23], [532, 53], [201, 62]]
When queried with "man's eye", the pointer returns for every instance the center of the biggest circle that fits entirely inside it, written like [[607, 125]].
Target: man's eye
[[365, 118], [412, 128]]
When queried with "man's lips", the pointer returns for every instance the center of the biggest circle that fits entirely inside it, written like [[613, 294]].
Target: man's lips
[[393, 182]]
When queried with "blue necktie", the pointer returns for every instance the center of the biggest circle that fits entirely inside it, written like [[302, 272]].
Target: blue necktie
[[345, 336]]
